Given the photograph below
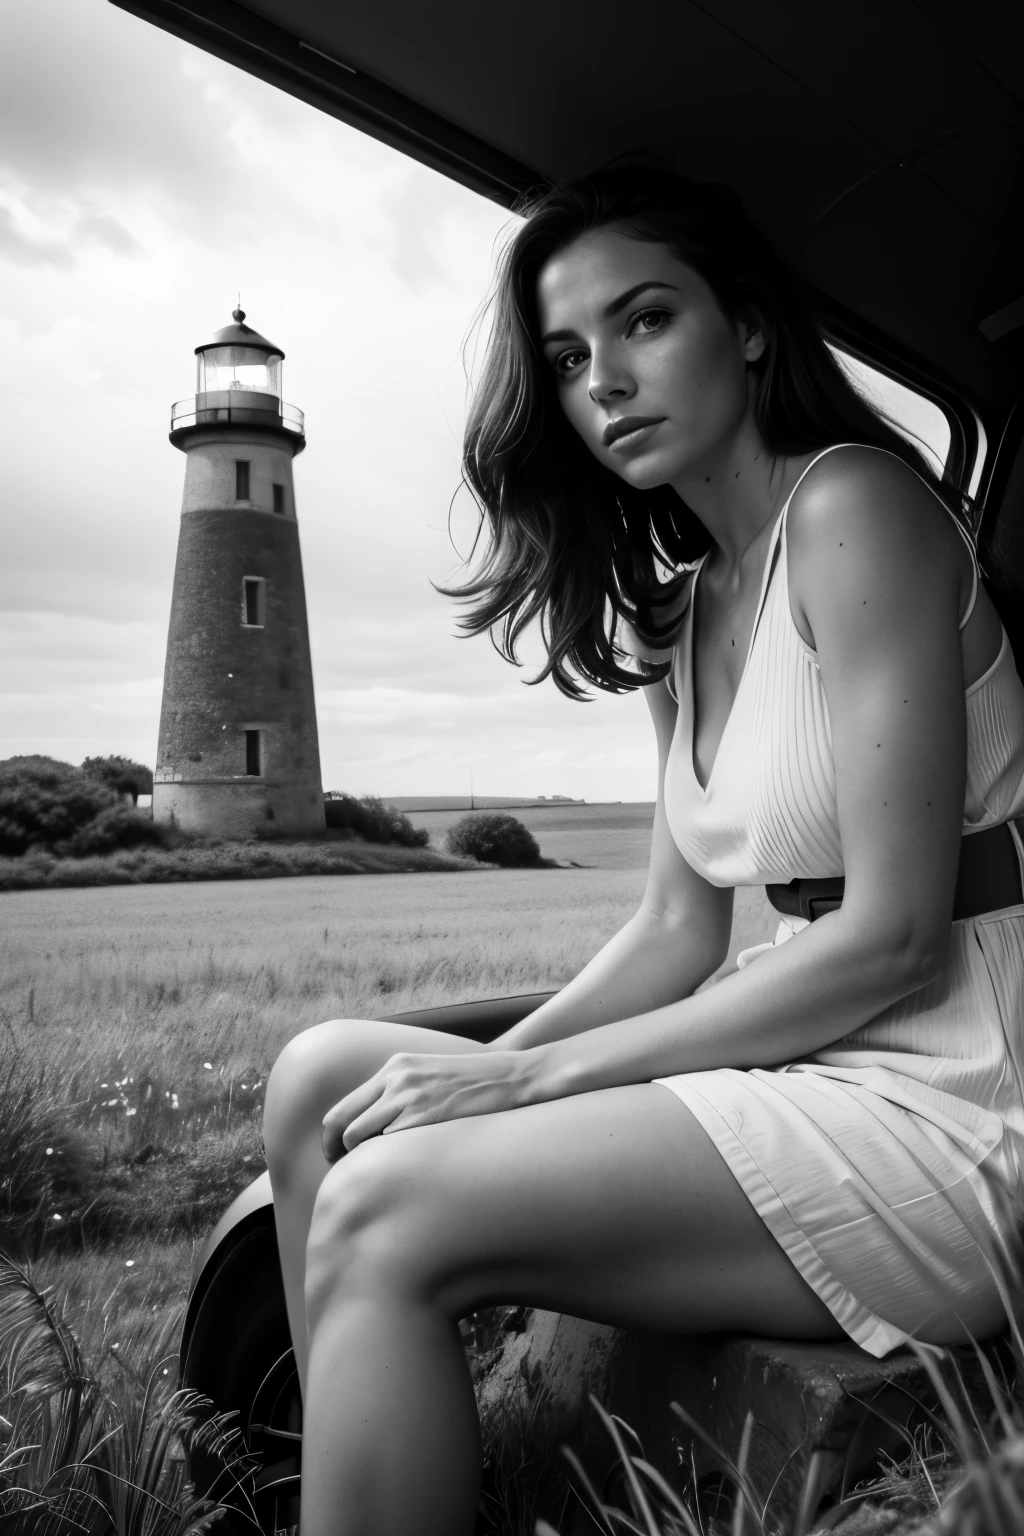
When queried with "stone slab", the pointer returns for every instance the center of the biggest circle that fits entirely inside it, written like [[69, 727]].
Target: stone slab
[[822, 1413]]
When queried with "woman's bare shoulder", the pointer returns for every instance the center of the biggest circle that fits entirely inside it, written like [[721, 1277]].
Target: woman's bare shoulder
[[871, 491], [862, 515]]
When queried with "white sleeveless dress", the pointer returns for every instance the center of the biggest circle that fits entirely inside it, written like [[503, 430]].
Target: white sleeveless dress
[[869, 1160]]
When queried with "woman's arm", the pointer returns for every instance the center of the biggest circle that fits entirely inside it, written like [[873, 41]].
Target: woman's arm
[[875, 581], [677, 938], [875, 587]]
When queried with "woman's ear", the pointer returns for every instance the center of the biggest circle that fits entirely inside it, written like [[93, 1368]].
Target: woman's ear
[[752, 330]]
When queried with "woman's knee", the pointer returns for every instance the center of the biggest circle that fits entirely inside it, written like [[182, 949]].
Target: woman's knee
[[313, 1071], [371, 1221]]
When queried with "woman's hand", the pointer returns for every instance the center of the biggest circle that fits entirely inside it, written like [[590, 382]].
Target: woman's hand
[[411, 1089]]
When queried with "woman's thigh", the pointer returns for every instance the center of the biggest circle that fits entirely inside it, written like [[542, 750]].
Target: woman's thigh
[[614, 1206]]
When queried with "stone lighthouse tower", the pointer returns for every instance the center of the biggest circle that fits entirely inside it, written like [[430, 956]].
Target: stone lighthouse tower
[[238, 749]]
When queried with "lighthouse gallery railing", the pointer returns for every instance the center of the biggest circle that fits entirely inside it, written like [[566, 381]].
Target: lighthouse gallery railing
[[195, 412]]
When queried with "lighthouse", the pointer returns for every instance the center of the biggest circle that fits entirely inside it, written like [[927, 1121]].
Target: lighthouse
[[238, 750]]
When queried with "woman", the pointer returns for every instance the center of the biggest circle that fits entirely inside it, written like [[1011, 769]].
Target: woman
[[832, 693]]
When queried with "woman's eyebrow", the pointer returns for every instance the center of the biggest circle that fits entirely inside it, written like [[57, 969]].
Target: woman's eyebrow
[[612, 309]]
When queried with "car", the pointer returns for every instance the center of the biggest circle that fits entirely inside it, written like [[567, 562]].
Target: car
[[879, 145]]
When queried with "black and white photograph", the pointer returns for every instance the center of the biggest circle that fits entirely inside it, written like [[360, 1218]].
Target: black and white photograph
[[511, 646]]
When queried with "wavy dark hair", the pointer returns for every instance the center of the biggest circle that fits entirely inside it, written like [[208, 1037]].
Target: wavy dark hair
[[567, 541]]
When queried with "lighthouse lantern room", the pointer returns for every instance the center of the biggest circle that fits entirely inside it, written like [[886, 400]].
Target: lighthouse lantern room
[[238, 750]]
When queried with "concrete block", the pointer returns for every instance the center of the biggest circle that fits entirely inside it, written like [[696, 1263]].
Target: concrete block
[[831, 1399]]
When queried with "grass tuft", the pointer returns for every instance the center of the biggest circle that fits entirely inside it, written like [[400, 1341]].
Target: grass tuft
[[76, 1456]]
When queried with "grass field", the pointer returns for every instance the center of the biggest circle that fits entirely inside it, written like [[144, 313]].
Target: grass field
[[138, 1024]]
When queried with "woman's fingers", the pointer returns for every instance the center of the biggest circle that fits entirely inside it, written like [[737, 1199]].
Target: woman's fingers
[[372, 1122], [351, 1112]]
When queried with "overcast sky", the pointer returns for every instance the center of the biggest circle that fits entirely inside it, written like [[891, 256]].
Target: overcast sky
[[143, 184]]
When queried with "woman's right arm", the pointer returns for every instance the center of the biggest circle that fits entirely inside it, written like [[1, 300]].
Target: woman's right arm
[[676, 940]]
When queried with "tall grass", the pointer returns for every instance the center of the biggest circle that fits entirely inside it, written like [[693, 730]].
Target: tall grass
[[103, 1460]]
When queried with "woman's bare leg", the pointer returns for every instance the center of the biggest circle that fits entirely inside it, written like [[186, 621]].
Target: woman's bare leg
[[314, 1070], [613, 1206]]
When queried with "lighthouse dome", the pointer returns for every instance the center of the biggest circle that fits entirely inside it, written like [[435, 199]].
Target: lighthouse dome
[[239, 359]]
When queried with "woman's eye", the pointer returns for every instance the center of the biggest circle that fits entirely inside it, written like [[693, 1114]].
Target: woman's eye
[[565, 362], [648, 320]]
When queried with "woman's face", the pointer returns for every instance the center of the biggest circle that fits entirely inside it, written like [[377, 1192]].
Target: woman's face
[[649, 369]]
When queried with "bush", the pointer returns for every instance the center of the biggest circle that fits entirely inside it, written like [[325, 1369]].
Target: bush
[[44, 802], [119, 826], [122, 775], [494, 839], [47, 804], [373, 820]]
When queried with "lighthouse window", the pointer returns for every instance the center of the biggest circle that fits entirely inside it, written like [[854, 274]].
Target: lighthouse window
[[241, 479], [253, 753], [253, 607], [278, 498]]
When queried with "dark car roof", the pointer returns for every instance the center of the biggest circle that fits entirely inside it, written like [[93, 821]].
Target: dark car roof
[[879, 142]]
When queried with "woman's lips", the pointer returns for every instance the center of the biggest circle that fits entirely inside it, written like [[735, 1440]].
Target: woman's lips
[[631, 432]]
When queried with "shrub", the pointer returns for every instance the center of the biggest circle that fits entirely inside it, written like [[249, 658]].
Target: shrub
[[47, 804], [44, 802], [494, 839], [119, 826], [373, 820], [122, 775]]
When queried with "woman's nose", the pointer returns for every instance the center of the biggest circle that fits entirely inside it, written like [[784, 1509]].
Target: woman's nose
[[608, 380]]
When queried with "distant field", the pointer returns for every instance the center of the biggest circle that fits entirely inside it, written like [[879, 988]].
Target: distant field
[[595, 836], [462, 802], [164, 976], [158, 978]]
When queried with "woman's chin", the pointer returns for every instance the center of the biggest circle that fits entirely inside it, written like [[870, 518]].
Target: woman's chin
[[645, 472]]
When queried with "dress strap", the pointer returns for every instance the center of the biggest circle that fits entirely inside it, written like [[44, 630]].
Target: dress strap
[[670, 680], [830, 449], [974, 566]]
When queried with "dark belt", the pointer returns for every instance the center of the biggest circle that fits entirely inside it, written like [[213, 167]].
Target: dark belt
[[987, 878]]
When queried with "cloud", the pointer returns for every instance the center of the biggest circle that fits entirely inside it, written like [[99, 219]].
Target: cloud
[[87, 99], [29, 250], [62, 250], [103, 229]]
